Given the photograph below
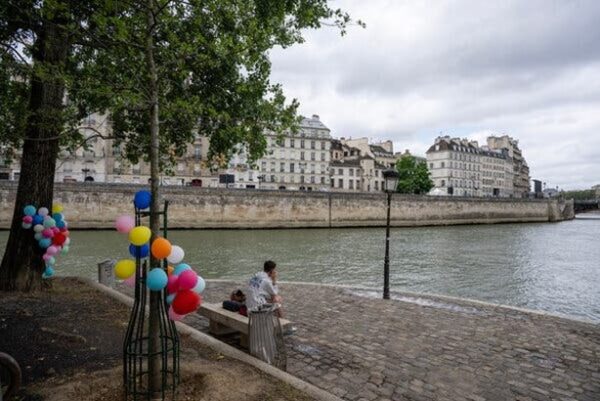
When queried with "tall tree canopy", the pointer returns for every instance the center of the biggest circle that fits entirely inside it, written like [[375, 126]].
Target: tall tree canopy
[[414, 176]]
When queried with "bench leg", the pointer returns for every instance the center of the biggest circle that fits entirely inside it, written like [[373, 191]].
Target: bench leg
[[243, 340]]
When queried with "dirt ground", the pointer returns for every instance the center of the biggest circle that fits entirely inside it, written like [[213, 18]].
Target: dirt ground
[[68, 340]]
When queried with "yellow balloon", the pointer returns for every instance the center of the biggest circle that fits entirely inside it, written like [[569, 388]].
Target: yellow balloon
[[139, 235], [124, 269], [57, 208]]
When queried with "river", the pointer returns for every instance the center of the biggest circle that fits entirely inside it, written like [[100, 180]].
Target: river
[[550, 267]]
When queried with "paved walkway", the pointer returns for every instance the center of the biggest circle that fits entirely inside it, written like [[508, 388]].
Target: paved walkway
[[425, 348]]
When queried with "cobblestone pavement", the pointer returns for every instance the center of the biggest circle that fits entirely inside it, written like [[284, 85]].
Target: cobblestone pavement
[[427, 348]]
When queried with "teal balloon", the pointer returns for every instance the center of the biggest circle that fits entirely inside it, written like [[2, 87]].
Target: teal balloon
[[170, 298], [29, 210], [64, 250], [181, 268], [156, 279], [200, 286], [45, 243], [57, 217], [38, 236], [51, 261], [49, 223], [49, 272]]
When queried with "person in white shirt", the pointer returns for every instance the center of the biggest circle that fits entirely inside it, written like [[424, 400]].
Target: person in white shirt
[[262, 288]]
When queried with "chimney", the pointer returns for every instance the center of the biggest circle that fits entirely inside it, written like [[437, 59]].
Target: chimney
[[315, 117]]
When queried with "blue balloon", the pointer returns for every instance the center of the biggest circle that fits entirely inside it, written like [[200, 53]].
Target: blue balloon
[[141, 251], [29, 210], [156, 279], [142, 199], [45, 242], [58, 217], [170, 298], [49, 272], [37, 219], [181, 268], [60, 224], [200, 286]]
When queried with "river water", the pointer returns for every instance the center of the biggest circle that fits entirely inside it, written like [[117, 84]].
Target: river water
[[550, 267]]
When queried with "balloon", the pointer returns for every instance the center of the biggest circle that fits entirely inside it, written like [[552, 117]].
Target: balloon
[[48, 233], [46, 256], [43, 211], [49, 222], [143, 250], [38, 236], [26, 226], [187, 280], [174, 316], [161, 248], [57, 217], [176, 255], [67, 241], [57, 208], [45, 242], [130, 281], [65, 250], [59, 239], [170, 270], [170, 298], [142, 199], [200, 286], [61, 224], [186, 301], [124, 223], [124, 268], [38, 228], [49, 272], [156, 279], [139, 235], [51, 261], [37, 219], [52, 250], [55, 230], [181, 268], [27, 219], [29, 210], [172, 285]]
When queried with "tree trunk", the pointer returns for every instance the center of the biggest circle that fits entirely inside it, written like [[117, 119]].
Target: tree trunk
[[154, 361], [22, 265]]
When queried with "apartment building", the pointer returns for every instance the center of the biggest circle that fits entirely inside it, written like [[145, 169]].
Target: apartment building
[[520, 169]]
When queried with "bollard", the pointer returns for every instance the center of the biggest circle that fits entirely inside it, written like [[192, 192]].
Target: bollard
[[106, 273]]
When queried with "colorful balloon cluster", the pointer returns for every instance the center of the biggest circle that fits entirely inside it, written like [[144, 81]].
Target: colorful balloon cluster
[[51, 232], [182, 283]]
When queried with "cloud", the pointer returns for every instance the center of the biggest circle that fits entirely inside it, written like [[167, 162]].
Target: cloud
[[530, 69]]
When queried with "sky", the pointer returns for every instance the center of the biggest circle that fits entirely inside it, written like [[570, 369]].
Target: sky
[[526, 68]]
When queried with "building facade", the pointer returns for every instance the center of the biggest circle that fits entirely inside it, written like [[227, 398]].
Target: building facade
[[520, 169]]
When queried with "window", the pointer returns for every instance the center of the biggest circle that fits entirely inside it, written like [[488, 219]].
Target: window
[[292, 143], [351, 173], [443, 164], [302, 143], [291, 167], [322, 180], [302, 179], [312, 168], [272, 178], [301, 155], [323, 145], [312, 155], [272, 166], [263, 166], [340, 171], [443, 183], [323, 157], [376, 174], [197, 151], [351, 184], [340, 183], [431, 166], [376, 185], [313, 145], [312, 179], [282, 167]]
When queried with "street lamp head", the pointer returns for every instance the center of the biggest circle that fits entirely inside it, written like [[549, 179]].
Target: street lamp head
[[391, 178]]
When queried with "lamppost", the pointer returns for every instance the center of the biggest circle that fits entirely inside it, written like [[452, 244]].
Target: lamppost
[[390, 177]]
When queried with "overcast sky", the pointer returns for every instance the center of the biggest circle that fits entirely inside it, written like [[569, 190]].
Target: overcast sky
[[527, 68]]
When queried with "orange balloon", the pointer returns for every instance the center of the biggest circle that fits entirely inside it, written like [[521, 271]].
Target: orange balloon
[[170, 270], [161, 248]]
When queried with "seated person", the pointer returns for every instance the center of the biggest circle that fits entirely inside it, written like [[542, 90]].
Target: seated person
[[236, 303], [262, 288]]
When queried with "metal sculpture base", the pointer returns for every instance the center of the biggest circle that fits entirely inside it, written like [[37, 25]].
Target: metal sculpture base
[[137, 357]]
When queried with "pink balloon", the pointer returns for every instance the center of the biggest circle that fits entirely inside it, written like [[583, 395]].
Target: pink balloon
[[55, 230], [46, 256], [187, 280], [124, 223], [52, 250], [174, 316], [48, 233], [172, 284], [130, 281], [28, 219]]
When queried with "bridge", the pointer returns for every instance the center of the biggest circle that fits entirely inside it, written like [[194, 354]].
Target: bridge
[[582, 206]]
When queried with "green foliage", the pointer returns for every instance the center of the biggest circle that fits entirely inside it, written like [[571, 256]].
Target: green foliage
[[585, 194], [414, 176]]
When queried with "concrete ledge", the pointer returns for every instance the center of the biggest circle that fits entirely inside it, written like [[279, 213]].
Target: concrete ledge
[[225, 349]]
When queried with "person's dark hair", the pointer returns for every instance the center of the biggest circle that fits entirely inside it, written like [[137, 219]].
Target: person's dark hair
[[269, 266]]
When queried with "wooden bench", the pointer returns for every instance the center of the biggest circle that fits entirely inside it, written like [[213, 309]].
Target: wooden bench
[[222, 321]]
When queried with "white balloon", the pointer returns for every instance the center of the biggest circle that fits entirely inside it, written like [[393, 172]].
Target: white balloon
[[43, 211], [176, 256], [38, 228]]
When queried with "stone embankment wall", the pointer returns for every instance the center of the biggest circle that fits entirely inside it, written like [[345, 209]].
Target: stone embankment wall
[[97, 205]]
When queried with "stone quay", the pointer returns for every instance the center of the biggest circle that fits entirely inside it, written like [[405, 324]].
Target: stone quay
[[422, 348]]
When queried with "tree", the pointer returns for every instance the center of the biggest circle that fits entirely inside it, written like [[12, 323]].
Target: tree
[[414, 176]]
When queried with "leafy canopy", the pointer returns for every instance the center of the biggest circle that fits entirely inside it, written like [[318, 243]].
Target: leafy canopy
[[414, 176]]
